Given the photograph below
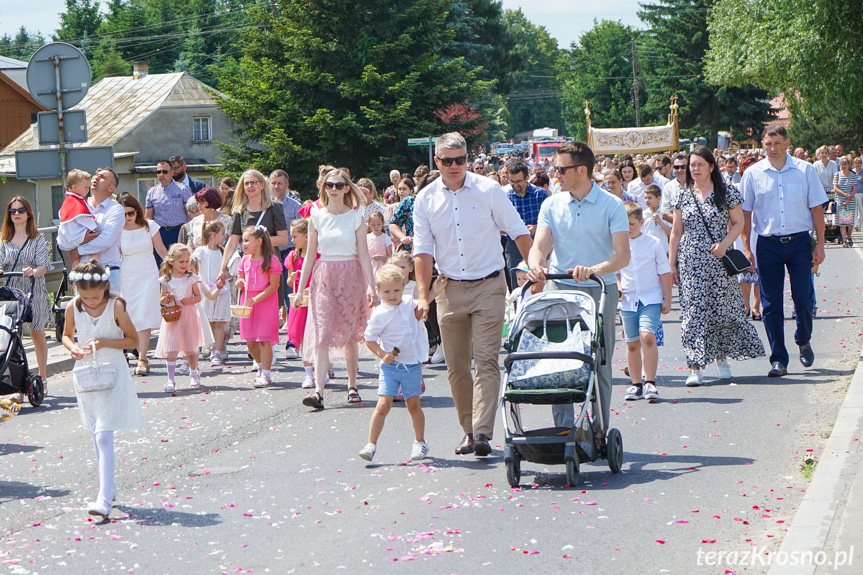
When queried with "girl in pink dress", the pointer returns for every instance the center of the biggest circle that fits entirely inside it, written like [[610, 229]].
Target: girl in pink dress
[[259, 274], [341, 285], [182, 337], [380, 244], [297, 318]]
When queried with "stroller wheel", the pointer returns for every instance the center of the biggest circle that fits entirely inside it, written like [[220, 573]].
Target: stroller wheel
[[35, 390], [572, 472], [615, 450], [513, 472]]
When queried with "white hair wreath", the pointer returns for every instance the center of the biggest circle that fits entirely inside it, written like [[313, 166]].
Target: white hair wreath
[[88, 277]]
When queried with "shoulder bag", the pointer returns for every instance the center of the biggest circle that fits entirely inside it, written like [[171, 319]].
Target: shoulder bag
[[734, 260], [94, 376]]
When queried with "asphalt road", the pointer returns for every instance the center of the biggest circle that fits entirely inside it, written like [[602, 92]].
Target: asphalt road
[[237, 480]]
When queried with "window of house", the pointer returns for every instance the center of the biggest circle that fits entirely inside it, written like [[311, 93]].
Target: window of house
[[58, 194], [201, 129], [144, 184]]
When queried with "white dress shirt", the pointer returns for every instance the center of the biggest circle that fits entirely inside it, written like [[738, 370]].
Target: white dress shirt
[[637, 187], [396, 326], [781, 199], [639, 281], [461, 228], [669, 196], [656, 230], [110, 218]]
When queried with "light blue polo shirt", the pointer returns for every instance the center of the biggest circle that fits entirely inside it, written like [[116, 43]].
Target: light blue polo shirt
[[582, 230]]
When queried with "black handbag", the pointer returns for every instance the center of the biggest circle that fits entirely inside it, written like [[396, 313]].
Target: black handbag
[[734, 260]]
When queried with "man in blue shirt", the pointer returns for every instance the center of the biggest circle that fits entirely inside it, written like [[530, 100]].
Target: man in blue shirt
[[166, 204], [783, 197], [527, 200], [589, 232]]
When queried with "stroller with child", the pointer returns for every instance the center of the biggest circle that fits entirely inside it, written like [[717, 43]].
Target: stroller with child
[[15, 374], [555, 346]]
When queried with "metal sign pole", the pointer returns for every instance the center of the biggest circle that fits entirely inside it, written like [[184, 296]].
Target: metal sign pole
[[431, 166], [60, 121]]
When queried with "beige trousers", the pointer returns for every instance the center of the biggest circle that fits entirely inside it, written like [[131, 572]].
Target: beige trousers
[[471, 321]]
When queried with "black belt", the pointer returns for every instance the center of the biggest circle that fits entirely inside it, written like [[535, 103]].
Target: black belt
[[113, 267], [785, 239], [172, 228], [493, 274]]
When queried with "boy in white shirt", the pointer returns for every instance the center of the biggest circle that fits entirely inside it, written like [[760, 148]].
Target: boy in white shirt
[[646, 287], [76, 217], [398, 338], [653, 224]]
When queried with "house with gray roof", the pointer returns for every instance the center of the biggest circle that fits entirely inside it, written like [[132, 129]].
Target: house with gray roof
[[146, 118]]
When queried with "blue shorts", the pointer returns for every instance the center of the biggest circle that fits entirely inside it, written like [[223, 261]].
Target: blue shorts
[[645, 320], [393, 375]]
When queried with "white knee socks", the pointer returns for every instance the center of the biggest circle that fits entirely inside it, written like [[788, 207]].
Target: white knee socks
[[103, 441]]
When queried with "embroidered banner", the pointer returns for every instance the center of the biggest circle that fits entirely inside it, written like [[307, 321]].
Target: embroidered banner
[[632, 140]]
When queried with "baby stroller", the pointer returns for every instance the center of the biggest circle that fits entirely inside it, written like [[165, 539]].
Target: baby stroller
[[15, 374], [555, 346]]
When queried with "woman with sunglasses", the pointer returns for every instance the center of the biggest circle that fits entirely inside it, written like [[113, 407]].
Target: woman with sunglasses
[[23, 249], [139, 276], [254, 206], [341, 282]]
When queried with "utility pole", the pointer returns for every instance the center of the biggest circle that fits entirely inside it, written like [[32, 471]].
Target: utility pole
[[635, 83]]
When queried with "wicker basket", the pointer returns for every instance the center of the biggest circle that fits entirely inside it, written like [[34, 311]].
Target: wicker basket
[[171, 313], [239, 310], [304, 301]]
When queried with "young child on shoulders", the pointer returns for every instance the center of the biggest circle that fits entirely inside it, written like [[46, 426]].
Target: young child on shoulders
[[395, 336], [646, 287], [653, 224], [76, 217], [184, 336]]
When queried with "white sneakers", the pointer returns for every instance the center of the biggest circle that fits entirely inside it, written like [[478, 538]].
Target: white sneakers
[[368, 452], [695, 378], [169, 387], [724, 368], [292, 353], [308, 383], [262, 381], [437, 356], [419, 450]]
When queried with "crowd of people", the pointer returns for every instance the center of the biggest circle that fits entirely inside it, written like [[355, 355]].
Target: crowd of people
[[421, 272]]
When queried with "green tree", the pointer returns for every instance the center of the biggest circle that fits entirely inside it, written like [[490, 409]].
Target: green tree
[[672, 55], [107, 61], [809, 50], [80, 21], [345, 82], [595, 69], [535, 100], [22, 45]]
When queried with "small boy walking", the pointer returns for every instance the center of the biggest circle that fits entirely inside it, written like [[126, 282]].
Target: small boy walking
[[646, 287], [394, 334]]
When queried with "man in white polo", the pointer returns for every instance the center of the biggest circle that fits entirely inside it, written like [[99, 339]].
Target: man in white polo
[[457, 221]]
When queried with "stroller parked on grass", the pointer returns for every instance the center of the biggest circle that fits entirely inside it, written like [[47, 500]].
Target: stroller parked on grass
[[555, 346], [15, 374]]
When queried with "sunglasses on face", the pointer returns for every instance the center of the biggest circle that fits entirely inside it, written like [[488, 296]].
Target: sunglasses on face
[[460, 161], [335, 185], [679, 167], [163, 171], [563, 169], [130, 214], [14, 211]]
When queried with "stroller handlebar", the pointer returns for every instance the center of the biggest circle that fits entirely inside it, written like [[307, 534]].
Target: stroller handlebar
[[19, 275], [560, 277]]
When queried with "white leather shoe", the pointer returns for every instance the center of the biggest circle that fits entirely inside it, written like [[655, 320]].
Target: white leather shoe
[[437, 356], [695, 378], [100, 508], [724, 368]]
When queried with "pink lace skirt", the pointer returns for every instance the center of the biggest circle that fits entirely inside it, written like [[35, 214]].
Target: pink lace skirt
[[338, 305]]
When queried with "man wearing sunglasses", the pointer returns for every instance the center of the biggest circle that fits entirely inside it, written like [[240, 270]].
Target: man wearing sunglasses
[[166, 204], [457, 222], [588, 230], [671, 190]]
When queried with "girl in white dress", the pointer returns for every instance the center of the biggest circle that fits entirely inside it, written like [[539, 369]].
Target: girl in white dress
[[140, 275], [184, 336], [216, 302], [102, 323]]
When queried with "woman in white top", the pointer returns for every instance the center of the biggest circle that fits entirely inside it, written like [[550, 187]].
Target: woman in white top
[[139, 276], [341, 284]]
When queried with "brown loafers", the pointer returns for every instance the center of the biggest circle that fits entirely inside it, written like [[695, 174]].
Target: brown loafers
[[466, 445]]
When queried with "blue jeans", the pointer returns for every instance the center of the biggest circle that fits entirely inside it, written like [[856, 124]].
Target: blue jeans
[[772, 258], [644, 320]]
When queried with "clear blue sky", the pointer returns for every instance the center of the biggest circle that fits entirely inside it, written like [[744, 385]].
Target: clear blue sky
[[565, 20]]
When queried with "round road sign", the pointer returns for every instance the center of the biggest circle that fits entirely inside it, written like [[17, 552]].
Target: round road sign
[[74, 75]]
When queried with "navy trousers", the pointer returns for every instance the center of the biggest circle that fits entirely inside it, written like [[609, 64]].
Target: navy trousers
[[772, 258]]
